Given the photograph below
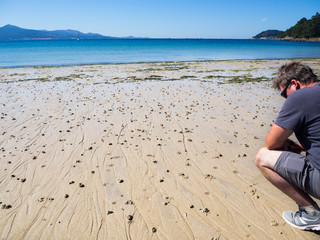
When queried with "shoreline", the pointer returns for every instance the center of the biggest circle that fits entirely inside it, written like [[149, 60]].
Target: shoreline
[[299, 39], [290, 39], [140, 151], [155, 62]]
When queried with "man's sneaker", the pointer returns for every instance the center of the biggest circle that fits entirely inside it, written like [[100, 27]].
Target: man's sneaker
[[302, 220]]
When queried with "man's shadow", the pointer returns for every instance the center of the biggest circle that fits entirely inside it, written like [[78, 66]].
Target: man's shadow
[[317, 232]]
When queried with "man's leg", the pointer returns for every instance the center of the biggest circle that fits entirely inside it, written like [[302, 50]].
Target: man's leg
[[265, 161], [308, 216]]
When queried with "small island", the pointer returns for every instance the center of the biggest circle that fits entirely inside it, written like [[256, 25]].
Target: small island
[[269, 34]]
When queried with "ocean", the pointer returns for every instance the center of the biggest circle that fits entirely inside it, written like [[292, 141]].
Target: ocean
[[71, 52]]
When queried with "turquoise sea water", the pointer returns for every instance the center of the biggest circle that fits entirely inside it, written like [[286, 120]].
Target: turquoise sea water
[[61, 52]]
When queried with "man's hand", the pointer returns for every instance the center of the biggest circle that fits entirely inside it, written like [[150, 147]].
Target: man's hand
[[294, 147]]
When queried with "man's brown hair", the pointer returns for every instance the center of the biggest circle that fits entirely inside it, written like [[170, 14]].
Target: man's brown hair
[[294, 70]]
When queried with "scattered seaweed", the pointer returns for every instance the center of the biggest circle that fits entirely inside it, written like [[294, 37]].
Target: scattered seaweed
[[245, 79], [81, 75], [32, 79], [215, 76], [187, 77], [150, 70], [62, 79], [153, 77]]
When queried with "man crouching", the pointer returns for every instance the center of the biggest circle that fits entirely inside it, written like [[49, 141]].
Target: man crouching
[[280, 160]]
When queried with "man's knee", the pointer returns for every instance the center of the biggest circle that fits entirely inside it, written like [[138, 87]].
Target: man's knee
[[266, 158], [260, 157]]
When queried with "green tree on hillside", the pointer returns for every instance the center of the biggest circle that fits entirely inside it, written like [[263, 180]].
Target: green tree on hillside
[[304, 28]]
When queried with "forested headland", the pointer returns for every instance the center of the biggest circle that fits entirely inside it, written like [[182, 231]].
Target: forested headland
[[303, 30]]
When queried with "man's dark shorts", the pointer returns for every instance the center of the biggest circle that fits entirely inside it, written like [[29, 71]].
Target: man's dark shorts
[[296, 169]]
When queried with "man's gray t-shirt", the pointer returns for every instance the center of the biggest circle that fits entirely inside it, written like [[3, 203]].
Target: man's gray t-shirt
[[301, 114]]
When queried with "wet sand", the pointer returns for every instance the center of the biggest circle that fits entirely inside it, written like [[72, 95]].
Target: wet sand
[[140, 151]]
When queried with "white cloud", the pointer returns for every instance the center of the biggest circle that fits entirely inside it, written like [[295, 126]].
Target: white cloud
[[264, 19]]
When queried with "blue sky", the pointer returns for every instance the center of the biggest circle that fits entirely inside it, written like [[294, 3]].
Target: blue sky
[[159, 18]]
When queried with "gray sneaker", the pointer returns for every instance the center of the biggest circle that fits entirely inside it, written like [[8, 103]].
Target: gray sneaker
[[302, 220]]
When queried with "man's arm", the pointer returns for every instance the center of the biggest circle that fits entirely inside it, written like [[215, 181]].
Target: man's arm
[[278, 139]]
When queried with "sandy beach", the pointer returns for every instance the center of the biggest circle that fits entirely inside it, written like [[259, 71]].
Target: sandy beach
[[140, 151]]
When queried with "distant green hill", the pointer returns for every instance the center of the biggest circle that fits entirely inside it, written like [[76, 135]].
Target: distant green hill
[[269, 34], [304, 29], [10, 32]]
